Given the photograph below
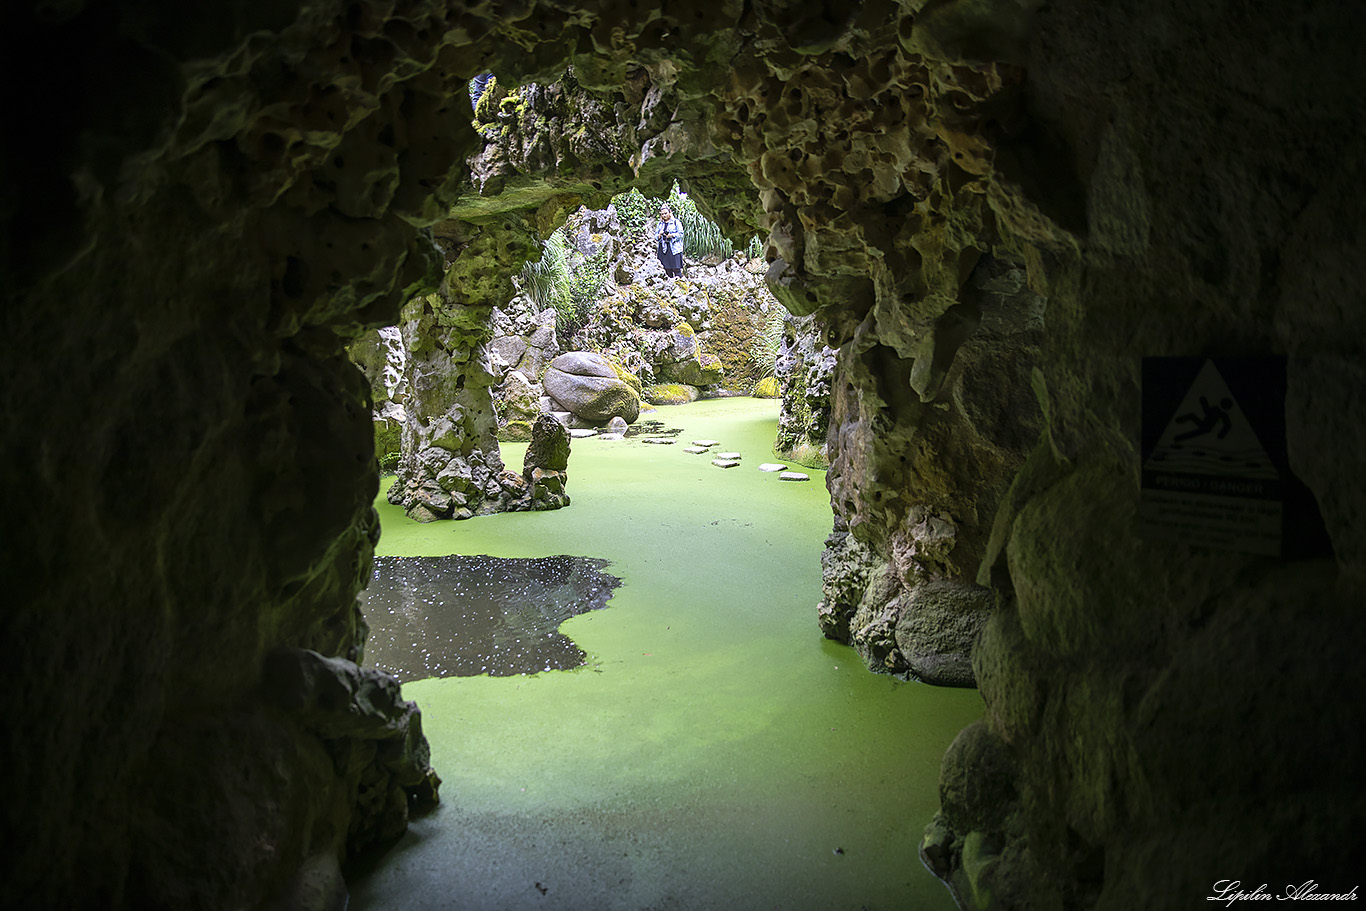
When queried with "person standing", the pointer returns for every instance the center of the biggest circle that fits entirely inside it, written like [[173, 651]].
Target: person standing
[[669, 243]]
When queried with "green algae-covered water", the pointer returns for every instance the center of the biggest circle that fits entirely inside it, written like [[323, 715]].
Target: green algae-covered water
[[714, 752]]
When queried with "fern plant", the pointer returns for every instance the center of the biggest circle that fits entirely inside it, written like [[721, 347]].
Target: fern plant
[[546, 282], [767, 343]]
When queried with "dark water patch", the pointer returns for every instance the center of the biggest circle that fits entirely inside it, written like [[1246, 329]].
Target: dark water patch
[[460, 616], [651, 429]]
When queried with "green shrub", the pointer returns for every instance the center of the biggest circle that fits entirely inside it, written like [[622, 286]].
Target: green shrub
[[551, 282], [546, 282], [585, 287], [767, 388], [634, 211]]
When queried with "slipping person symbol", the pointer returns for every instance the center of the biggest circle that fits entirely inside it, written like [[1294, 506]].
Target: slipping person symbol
[[1214, 415]]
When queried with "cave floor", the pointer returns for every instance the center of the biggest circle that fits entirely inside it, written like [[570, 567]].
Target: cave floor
[[715, 752]]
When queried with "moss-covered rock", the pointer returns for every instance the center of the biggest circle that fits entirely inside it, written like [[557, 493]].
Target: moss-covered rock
[[625, 375], [587, 386], [515, 432], [671, 394]]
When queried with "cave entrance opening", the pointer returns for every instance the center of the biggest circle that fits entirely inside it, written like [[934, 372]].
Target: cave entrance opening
[[714, 750]]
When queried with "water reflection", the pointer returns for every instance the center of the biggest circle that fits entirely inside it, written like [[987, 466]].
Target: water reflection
[[651, 429], [460, 616]]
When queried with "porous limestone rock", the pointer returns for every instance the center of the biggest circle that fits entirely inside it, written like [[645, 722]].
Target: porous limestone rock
[[518, 398], [373, 735], [379, 353], [804, 369]]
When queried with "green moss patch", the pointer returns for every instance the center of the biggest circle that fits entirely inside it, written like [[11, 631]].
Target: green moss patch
[[671, 394], [767, 388]]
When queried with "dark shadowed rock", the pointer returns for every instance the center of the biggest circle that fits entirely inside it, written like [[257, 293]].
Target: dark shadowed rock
[[549, 447]]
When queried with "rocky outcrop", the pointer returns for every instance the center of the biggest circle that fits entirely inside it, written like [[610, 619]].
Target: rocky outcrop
[[545, 468], [918, 484], [804, 368], [373, 735], [695, 330], [450, 463], [380, 354]]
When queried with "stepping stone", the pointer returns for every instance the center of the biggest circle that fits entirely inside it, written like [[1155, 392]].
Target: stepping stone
[[729, 456], [724, 463], [772, 466], [793, 476], [704, 442], [564, 417], [610, 436], [662, 441], [581, 432], [695, 450]]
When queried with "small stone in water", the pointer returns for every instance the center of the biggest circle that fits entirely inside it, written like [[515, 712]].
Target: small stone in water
[[793, 476], [662, 441], [772, 466], [695, 450], [724, 463], [728, 455], [704, 442], [582, 432]]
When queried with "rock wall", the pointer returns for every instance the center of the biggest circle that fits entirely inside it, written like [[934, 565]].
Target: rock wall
[[380, 355], [544, 149], [1162, 716], [696, 331], [923, 449], [190, 247], [449, 465], [185, 255], [805, 370]]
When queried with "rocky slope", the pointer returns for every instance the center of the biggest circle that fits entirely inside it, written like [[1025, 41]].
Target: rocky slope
[[697, 331]]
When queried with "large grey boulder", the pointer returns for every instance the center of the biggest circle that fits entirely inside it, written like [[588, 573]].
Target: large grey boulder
[[587, 386]]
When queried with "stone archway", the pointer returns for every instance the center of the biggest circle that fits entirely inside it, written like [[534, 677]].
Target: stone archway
[[192, 243]]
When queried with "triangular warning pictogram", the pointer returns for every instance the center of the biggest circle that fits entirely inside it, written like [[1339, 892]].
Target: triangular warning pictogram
[[1209, 434]]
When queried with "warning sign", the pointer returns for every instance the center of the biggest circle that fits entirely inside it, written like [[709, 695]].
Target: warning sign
[[1214, 452]]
